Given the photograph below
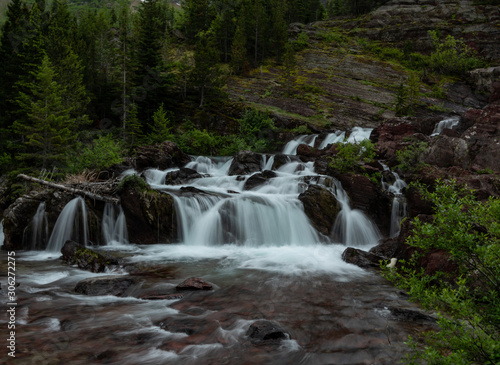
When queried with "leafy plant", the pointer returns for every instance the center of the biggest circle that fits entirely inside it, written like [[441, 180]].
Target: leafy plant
[[409, 159], [102, 153], [469, 303], [350, 154], [452, 56]]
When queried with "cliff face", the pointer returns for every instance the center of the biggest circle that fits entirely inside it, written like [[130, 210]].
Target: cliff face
[[408, 21]]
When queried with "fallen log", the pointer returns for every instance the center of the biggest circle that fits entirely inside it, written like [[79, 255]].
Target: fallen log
[[88, 194]]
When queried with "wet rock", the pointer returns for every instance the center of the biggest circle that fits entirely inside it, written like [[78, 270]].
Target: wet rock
[[245, 162], [368, 196], [361, 258], [85, 258], [321, 207], [107, 285], [150, 215], [307, 153], [281, 159], [161, 156], [410, 315], [266, 333], [447, 151], [194, 284], [259, 179], [182, 176], [161, 297], [385, 248], [188, 325]]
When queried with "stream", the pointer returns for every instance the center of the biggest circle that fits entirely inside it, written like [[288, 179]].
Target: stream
[[259, 250]]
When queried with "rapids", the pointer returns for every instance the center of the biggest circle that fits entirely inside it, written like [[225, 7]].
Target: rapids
[[256, 246]]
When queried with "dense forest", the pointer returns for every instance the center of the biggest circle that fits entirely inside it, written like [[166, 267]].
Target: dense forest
[[76, 72]]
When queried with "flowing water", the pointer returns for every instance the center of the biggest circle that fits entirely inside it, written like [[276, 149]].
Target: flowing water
[[264, 258], [449, 123]]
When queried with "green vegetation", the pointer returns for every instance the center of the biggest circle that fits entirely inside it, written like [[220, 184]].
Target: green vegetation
[[467, 300], [410, 159], [102, 153], [349, 155]]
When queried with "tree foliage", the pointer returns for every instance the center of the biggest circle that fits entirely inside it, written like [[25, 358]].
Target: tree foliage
[[469, 302]]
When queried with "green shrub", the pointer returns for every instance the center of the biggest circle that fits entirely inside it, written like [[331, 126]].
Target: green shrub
[[469, 303], [134, 182], [409, 159], [102, 153], [452, 56], [349, 155]]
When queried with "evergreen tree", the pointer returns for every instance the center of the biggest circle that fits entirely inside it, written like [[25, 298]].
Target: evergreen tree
[[239, 49], [206, 74], [279, 28], [12, 36], [198, 15], [47, 129], [160, 130]]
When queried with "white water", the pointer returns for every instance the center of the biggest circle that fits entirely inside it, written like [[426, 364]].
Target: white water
[[114, 226], [399, 204], [445, 124], [359, 134], [70, 225], [336, 137], [291, 147], [36, 234]]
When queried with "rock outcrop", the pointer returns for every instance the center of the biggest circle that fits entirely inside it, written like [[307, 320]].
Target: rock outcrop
[[245, 162], [85, 258], [163, 156], [321, 207]]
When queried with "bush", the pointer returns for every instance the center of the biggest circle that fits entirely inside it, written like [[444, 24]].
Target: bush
[[468, 305], [350, 154], [409, 159], [452, 56], [102, 153]]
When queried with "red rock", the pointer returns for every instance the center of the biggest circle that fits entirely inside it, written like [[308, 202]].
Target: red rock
[[194, 284]]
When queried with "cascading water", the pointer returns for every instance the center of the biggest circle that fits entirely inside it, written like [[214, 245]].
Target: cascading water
[[331, 138], [2, 236], [399, 204], [36, 234], [70, 225], [449, 123], [114, 226], [359, 134], [291, 147]]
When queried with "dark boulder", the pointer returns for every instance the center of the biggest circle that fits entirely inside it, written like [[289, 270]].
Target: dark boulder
[[150, 215], [85, 258], [307, 153], [245, 162], [259, 179], [321, 207], [161, 156], [181, 176], [266, 333], [410, 315], [108, 285], [194, 284], [361, 258]]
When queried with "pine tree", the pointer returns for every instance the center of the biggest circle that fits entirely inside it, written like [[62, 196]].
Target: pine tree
[[160, 130], [47, 129], [12, 36], [279, 28], [206, 74], [239, 49]]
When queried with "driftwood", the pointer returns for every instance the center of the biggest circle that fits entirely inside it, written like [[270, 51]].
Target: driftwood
[[88, 194]]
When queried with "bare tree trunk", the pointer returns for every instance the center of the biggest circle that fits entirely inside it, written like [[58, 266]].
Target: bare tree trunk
[[88, 194]]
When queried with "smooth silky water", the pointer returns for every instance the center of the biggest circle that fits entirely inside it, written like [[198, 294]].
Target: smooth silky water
[[265, 261]]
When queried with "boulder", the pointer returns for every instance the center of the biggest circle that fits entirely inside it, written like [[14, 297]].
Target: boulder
[[107, 285], [245, 162], [321, 207], [447, 151], [266, 333], [181, 176], [194, 284], [361, 258], [151, 216], [259, 179], [85, 258], [308, 153], [161, 156]]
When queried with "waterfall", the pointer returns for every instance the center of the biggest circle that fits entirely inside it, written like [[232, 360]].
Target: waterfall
[[359, 134], [399, 204], [36, 234], [70, 225], [331, 138], [445, 124], [114, 226], [291, 147], [352, 227]]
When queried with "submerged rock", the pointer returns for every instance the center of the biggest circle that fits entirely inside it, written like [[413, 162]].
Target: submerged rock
[[266, 333], [361, 258], [181, 176], [194, 284], [85, 258], [259, 179], [107, 285]]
